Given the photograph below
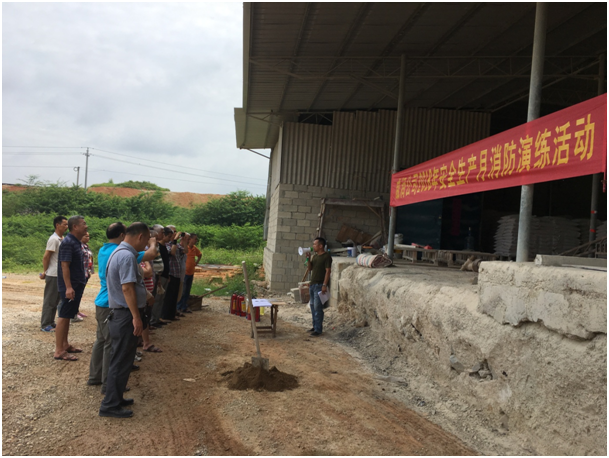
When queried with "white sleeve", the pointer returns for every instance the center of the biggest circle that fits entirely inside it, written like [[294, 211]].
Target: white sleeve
[[53, 244]]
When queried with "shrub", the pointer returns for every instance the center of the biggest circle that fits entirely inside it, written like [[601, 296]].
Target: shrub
[[237, 208]]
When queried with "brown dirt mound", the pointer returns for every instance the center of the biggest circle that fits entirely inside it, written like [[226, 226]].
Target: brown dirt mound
[[120, 192], [256, 378]]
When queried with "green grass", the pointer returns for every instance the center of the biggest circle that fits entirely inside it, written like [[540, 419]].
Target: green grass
[[231, 257]]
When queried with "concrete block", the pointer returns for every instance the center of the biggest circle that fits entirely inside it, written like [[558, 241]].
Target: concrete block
[[298, 215], [286, 187], [304, 209], [301, 187], [284, 228], [282, 214], [288, 236], [296, 293], [285, 201], [567, 300], [288, 222], [304, 237], [300, 201], [290, 194], [290, 207], [303, 222]]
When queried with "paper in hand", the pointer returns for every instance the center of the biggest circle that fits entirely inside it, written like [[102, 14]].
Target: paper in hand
[[323, 297]]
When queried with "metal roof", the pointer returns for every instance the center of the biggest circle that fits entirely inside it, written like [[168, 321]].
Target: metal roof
[[304, 58]]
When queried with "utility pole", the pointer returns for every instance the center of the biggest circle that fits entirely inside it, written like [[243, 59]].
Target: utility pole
[[77, 170], [86, 167]]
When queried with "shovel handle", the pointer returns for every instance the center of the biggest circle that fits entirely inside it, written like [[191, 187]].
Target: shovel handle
[[250, 308]]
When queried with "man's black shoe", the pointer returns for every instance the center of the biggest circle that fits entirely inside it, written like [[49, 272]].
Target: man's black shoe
[[315, 333], [311, 330], [126, 402], [90, 383], [135, 367], [116, 413]]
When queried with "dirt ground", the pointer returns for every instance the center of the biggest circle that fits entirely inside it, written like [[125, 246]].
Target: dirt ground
[[182, 403]]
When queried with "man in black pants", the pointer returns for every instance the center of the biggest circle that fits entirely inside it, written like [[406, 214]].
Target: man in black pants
[[176, 253], [126, 294]]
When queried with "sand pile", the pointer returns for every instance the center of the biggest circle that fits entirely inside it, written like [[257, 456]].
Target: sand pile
[[256, 378]]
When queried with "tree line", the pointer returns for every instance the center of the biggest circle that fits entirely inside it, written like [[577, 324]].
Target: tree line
[[230, 222]]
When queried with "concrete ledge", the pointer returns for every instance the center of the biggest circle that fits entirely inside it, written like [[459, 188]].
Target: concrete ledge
[[567, 300], [547, 260], [544, 391]]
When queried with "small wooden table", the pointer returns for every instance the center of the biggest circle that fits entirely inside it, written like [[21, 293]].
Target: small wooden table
[[273, 327]]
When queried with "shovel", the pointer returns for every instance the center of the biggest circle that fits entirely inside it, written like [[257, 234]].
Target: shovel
[[257, 361]]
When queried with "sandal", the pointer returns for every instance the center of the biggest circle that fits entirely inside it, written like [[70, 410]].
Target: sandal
[[153, 349], [72, 349], [66, 357]]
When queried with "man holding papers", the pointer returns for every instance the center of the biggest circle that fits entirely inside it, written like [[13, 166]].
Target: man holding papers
[[320, 267]]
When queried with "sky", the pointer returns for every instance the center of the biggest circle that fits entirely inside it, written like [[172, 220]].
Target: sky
[[150, 88]]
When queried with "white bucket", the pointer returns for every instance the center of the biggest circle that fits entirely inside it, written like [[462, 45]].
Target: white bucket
[[303, 250], [398, 239], [352, 252]]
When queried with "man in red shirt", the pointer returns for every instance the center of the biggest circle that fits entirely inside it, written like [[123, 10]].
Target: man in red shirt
[[192, 259]]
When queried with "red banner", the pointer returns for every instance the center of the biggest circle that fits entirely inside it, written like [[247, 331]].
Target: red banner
[[569, 143]]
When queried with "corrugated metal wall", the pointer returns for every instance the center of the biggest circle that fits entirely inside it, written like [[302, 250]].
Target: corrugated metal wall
[[356, 152]]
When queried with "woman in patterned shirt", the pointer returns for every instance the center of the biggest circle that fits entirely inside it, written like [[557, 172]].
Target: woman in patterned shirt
[[87, 259]]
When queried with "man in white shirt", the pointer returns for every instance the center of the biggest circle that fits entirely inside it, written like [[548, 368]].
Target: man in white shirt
[[49, 275]]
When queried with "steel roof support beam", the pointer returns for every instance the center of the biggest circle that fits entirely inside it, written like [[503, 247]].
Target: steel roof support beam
[[526, 196], [410, 22], [363, 12], [296, 51], [581, 38]]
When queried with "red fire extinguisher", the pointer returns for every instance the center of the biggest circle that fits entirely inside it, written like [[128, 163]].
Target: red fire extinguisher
[[242, 308], [256, 314], [233, 299]]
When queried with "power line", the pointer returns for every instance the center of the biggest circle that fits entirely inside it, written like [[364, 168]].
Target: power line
[[36, 166], [59, 147], [164, 163], [133, 157], [177, 171], [29, 153]]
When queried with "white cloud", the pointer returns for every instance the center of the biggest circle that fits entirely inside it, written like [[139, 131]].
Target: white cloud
[[154, 80]]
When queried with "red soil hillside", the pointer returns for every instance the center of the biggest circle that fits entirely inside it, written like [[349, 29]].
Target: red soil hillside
[[180, 199]]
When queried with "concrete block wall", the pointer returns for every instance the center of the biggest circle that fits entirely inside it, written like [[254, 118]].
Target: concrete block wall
[[293, 222]]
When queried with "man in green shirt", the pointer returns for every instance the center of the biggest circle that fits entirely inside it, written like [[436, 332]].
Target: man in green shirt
[[320, 267]]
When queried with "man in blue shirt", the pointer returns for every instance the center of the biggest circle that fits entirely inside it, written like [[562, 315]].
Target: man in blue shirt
[[102, 348], [126, 295], [71, 282]]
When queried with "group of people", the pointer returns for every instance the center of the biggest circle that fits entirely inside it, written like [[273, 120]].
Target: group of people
[[146, 275]]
